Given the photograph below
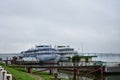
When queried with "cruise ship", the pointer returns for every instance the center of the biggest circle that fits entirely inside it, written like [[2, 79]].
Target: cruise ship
[[41, 53], [47, 53]]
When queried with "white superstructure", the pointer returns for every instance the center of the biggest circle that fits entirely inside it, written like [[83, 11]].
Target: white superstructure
[[47, 52], [66, 51]]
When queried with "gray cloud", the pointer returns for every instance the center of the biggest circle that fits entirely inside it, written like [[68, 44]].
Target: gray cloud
[[25, 23]]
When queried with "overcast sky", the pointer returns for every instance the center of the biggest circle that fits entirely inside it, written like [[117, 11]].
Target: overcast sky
[[94, 24]]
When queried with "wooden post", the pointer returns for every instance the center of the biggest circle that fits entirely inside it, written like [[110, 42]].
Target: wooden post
[[101, 69], [74, 77], [78, 71], [51, 71], [6, 61], [30, 70]]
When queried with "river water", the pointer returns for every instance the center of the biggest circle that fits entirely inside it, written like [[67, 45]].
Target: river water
[[105, 57]]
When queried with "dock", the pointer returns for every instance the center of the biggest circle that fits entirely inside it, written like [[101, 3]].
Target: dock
[[77, 67], [106, 67]]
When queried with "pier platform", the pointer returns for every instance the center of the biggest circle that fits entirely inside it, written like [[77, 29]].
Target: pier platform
[[105, 67]]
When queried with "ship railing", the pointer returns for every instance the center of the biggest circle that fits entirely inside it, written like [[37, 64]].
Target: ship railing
[[46, 52], [81, 63], [66, 52]]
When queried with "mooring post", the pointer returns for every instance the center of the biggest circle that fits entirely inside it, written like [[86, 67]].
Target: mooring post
[[30, 70]]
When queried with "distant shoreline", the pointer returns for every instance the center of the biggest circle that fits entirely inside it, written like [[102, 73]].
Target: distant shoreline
[[8, 53]]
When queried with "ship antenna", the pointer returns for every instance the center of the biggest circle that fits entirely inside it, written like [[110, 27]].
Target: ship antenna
[[82, 47]]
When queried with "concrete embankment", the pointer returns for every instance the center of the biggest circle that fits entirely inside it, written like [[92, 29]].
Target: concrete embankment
[[4, 75]]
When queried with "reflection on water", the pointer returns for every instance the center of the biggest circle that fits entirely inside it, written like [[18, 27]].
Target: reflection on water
[[90, 77]]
